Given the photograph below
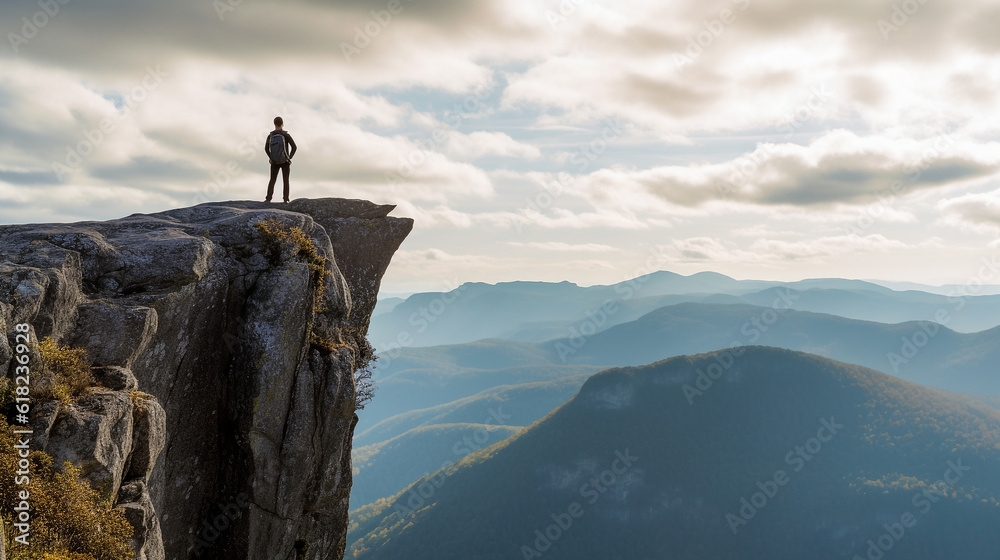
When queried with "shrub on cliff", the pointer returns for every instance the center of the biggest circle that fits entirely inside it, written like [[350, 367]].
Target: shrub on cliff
[[295, 237], [69, 520], [64, 372], [283, 237]]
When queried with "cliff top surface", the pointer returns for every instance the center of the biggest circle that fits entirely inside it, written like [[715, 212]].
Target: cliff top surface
[[318, 208]]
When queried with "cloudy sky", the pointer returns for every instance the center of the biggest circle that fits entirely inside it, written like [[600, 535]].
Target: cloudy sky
[[581, 140]]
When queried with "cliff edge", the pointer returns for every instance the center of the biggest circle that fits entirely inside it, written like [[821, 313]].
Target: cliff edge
[[246, 323]]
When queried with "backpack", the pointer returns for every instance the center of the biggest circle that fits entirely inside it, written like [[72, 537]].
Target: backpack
[[277, 149]]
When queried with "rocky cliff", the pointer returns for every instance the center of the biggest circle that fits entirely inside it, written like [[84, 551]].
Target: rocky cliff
[[242, 324]]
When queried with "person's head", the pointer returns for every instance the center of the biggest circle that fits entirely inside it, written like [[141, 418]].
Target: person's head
[[278, 122]]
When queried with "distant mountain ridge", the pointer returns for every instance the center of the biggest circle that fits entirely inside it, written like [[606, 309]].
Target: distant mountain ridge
[[786, 456], [919, 351], [464, 383], [534, 311], [419, 378]]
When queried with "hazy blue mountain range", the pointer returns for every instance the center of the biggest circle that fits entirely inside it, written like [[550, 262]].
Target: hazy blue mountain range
[[945, 289], [783, 455], [385, 468], [535, 311], [421, 376], [426, 377], [432, 400], [385, 305], [924, 352], [379, 474], [509, 405], [919, 351]]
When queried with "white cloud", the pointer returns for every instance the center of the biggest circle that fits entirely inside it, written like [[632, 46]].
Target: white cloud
[[559, 246], [820, 108], [839, 167], [467, 147], [712, 250], [555, 218], [977, 212], [437, 217]]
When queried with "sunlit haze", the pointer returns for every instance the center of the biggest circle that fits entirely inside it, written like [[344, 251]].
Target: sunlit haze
[[587, 141]]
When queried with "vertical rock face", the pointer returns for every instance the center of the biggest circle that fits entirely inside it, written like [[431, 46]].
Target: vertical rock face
[[248, 341]]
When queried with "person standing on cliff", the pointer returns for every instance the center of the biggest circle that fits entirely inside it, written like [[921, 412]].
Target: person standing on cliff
[[276, 147]]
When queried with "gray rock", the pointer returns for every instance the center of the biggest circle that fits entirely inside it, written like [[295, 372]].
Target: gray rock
[[43, 417], [115, 437], [7, 328], [149, 436], [134, 502], [115, 378], [44, 287], [24, 286], [133, 328], [95, 434], [225, 328]]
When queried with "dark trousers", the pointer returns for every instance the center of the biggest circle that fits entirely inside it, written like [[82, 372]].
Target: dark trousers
[[285, 168]]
